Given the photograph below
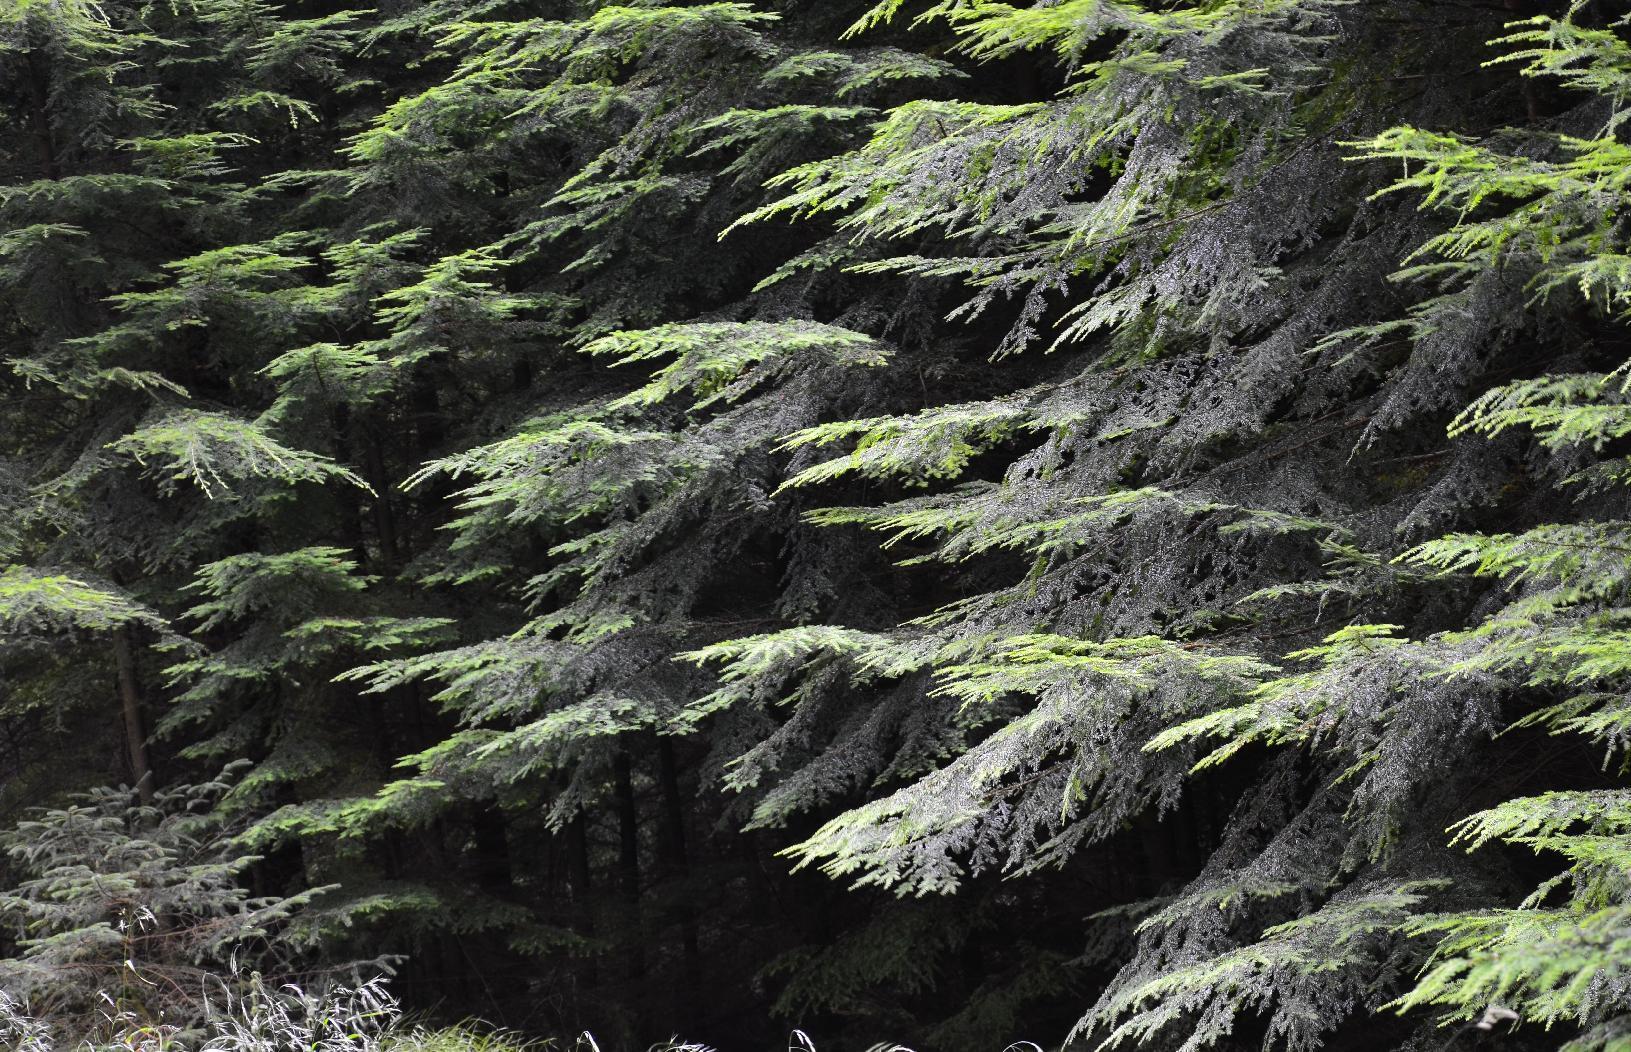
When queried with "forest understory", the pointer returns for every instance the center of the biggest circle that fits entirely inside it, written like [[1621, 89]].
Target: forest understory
[[1092, 524]]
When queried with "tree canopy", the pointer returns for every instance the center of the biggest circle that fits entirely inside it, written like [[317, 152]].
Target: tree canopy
[[1100, 522]]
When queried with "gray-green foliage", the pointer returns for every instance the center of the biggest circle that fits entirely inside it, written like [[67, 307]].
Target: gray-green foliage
[[1162, 462], [1144, 508], [130, 915]]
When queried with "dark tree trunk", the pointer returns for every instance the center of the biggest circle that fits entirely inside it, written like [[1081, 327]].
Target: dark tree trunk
[[350, 505], [677, 863], [130, 702], [384, 514], [492, 845], [577, 846], [39, 90], [628, 859]]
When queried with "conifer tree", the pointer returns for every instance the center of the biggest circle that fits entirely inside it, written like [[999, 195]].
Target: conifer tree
[[1123, 499]]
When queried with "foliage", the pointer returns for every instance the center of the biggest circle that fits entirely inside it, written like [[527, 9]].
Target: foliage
[[133, 916], [1134, 490]]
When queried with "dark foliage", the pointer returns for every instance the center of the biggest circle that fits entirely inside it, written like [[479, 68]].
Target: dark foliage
[[1134, 491]]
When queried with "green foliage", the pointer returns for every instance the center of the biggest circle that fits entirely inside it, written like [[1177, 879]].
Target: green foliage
[[140, 905], [33, 602], [214, 451], [590, 462]]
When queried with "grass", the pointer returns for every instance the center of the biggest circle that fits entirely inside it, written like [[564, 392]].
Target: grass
[[365, 1018], [467, 1038]]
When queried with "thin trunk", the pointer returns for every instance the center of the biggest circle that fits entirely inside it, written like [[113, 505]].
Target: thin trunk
[[688, 983], [426, 400], [39, 89], [679, 861], [350, 505], [492, 849], [628, 826], [577, 835], [130, 700], [628, 858], [384, 517]]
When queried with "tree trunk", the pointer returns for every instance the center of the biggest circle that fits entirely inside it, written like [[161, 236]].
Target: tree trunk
[[677, 862], [39, 89], [577, 845], [384, 516], [351, 515], [628, 859], [130, 700], [492, 849]]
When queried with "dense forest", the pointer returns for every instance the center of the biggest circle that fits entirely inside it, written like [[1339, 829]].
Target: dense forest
[[1100, 523]]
